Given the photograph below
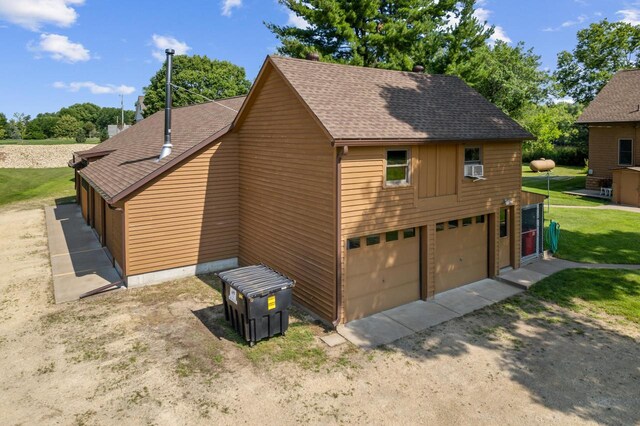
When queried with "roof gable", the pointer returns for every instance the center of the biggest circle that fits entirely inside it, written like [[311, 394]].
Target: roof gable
[[618, 101], [357, 103]]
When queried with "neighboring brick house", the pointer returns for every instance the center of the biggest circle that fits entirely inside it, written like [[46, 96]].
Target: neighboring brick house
[[371, 188], [613, 118]]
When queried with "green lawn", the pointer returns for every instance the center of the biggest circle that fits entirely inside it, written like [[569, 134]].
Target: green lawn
[[614, 291], [37, 185], [44, 141], [597, 236], [563, 178]]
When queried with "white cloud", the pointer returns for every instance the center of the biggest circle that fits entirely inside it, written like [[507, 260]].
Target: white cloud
[[499, 34], [297, 21], [160, 43], [33, 14], [96, 89], [60, 48], [630, 16], [571, 23], [229, 5]]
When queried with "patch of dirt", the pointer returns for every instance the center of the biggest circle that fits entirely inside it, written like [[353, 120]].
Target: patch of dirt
[[164, 355], [38, 156]]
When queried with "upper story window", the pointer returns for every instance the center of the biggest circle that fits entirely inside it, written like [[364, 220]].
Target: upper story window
[[625, 152], [398, 161], [472, 155], [473, 162]]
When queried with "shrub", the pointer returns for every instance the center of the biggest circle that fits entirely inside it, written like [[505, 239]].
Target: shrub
[[81, 136], [562, 155], [104, 135]]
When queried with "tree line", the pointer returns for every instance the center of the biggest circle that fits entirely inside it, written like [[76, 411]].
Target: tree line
[[78, 121]]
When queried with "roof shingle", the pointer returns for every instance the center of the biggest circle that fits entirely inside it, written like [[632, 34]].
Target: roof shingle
[[370, 103], [618, 101], [136, 149]]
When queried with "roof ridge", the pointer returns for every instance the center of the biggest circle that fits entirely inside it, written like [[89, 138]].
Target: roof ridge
[[373, 69]]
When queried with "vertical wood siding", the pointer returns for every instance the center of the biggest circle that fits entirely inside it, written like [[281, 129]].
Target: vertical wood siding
[[369, 208], [603, 148], [189, 215], [287, 187], [97, 208]]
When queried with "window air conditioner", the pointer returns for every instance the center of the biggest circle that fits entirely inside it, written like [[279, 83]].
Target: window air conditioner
[[474, 170]]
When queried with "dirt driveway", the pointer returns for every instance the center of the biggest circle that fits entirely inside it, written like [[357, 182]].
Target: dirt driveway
[[162, 355]]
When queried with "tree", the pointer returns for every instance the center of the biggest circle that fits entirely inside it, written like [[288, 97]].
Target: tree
[[103, 135], [84, 113], [110, 115], [67, 127], [555, 125], [42, 127], [383, 33], [602, 49], [510, 77], [17, 126], [89, 130], [200, 75], [81, 136], [3, 125]]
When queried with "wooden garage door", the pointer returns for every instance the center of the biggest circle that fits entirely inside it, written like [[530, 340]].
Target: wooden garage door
[[382, 273], [461, 252]]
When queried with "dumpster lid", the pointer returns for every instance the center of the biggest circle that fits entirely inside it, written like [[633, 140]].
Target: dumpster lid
[[255, 281]]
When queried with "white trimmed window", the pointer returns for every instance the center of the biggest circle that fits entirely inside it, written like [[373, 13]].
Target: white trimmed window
[[472, 155], [398, 170], [625, 152]]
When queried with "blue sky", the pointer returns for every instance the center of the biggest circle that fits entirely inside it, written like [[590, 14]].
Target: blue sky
[[59, 52]]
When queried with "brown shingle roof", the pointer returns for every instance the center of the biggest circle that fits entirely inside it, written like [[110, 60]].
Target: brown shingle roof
[[618, 101], [136, 149], [368, 103]]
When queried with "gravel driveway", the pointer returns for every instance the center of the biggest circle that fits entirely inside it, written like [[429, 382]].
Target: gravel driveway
[[38, 156]]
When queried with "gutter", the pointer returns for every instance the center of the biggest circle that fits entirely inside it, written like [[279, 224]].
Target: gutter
[[417, 141]]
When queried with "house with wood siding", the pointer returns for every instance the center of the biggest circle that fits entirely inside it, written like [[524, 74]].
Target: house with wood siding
[[371, 188], [613, 118]]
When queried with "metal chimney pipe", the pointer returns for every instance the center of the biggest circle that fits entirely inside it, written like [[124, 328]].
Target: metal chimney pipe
[[166, 148]]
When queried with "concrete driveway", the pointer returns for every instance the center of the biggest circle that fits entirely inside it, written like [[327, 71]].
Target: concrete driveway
[[79, 263], [389, 326]]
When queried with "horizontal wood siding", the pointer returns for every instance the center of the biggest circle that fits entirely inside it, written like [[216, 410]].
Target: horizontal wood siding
[[603, 148], [187, 216], [370, 208], [287, 202]]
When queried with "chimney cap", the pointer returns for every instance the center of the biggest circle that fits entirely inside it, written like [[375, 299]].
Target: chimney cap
[[418, 68], [169, 51], [313, 56]]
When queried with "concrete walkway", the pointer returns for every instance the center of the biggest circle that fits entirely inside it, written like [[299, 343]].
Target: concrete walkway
[[78, 262], [603, 207], [530, 274], [388, 326]]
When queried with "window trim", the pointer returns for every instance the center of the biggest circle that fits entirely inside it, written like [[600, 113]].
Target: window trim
[[630, 162], [397, 183]]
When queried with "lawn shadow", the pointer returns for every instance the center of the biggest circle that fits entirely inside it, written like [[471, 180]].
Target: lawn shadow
[[65, 200], [569, 365]]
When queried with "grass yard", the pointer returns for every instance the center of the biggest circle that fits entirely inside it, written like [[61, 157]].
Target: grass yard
[[613, 291], [44, 141], [563, 178], [18, 185], [597, 236]]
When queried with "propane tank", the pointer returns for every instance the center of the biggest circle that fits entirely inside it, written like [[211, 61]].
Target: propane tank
[[542, 165]]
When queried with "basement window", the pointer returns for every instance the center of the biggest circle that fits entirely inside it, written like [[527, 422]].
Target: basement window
[[353, 243], [372, 240], [409, 233], [397, 172], [391, 236], [625, 152]]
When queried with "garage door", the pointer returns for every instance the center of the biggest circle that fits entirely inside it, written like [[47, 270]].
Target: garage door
[[461, 252], [383, 271]]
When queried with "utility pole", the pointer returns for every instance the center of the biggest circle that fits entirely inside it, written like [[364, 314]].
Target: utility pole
[[122, 108]]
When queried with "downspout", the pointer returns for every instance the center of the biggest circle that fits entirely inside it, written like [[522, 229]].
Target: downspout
[[339, 155]]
